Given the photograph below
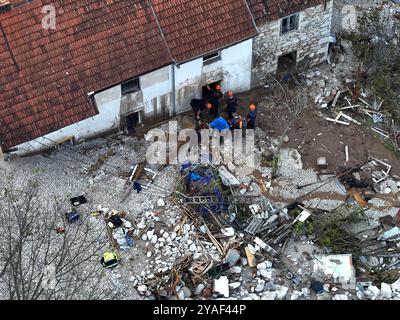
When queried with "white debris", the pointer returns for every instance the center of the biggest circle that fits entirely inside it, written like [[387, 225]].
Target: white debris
[[236, 269], [160, 203], [386, 291], [395, 286], [340, 297], [142, 288], [228, 232], [260, 286], [235, 285], [199, 289], [269, 295], [264, 265], [281, 292], [221, 286]]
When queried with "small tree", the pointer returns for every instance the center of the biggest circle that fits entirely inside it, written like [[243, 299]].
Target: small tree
[[376, 44], [36, 261], [291, 100]]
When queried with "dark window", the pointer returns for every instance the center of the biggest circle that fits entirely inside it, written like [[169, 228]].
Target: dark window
[[212, 57], [290, 23], [130, 86]]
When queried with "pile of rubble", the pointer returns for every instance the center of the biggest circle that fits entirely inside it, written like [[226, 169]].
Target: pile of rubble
[[217, 237]]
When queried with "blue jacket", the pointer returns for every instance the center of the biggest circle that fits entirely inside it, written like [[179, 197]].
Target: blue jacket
[[251, 117], [219, 124]]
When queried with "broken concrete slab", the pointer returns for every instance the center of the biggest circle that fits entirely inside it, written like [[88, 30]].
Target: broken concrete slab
[[337, 267]]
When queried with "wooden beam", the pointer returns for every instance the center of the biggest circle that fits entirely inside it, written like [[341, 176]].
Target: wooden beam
[[338, 121]]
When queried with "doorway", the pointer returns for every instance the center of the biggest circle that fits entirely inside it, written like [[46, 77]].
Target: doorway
[[205, 93], [131, 122], [287, 65]]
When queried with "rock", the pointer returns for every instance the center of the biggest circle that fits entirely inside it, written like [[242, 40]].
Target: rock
[[141, 225], [181, 295], [150, 234], [244, 261], [286, 139], [294, 297], [142, 288], [236, 269], [228, 232], [270, 295], [160, 203], [165, 235], [154, 239], [149, 254], [144, 237], [395, 286], [199, 289], [187, 292], [260, 286], [305, 291], [373, 262], [172, 236], [193, 247], [266, 273], [386, 291], [234, 285], [373, 292], [232, 257], [340, 297], [281, 292], [264, 265]]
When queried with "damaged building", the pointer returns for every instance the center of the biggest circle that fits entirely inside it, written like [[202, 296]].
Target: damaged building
[[114, 66]]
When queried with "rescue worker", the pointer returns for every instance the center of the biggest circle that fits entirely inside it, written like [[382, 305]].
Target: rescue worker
[[231, 104], [215, 95], [236, 122], [251, 117], [109, 260], [199, 105], [219, 124]]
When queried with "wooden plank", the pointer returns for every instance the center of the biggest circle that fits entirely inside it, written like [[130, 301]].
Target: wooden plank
[[349, 118], [336, 98], [338, 121]]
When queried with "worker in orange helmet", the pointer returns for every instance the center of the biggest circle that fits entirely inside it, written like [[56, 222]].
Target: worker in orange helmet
[[251, 117], [215, 95], [231, 103]]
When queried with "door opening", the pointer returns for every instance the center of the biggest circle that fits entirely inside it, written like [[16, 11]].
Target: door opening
[[131, 122], [287, 65], [206, 94]]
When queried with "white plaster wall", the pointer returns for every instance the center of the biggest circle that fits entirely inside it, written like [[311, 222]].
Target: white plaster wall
[[233, 69], [155, 85]]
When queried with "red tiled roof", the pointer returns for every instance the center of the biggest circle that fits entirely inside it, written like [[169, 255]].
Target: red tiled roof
[[195, 27], [270, 10], [45, 75], [97, 43]]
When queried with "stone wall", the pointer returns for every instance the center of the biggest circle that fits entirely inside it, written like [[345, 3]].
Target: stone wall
[[311, 42]]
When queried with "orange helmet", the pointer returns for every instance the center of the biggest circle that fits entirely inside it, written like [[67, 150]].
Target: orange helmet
[[218, 87], [208, 105], [230, 93], [252, 107]]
